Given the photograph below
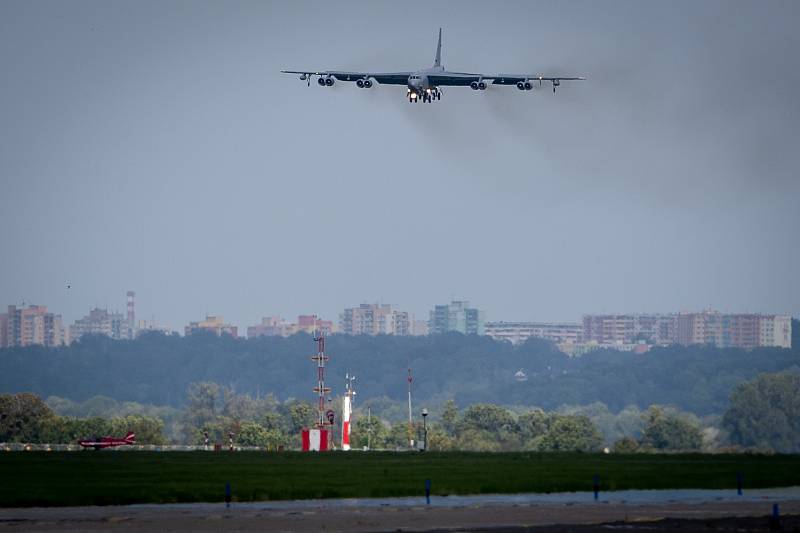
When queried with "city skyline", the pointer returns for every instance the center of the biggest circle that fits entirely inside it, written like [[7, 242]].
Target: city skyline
[[152, 316], [381, 318]]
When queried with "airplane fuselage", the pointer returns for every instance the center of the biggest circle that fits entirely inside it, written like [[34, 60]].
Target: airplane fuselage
[[419, 85]]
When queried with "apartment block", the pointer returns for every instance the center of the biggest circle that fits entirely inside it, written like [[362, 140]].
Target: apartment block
[[275, 326], [743, 330], [519, 332], [31, 326], [375, 319], [212, 324], [100, 321], [457, 316]]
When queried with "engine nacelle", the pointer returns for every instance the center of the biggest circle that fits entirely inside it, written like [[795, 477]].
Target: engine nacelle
[[482, 85], [474, 85], [556, 83], [520, 86], [329, 81], [303, 77], [528, 85], [321, 81], [367, 84], [360, 83]]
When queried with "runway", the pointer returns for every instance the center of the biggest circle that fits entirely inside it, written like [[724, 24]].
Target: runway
[[625, 509]]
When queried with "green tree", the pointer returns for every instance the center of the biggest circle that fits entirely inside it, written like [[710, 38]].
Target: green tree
[[487, 417], [254, 434], [22, 417], [626, 445], [533, 424], [397, 437], [765, 413], [666, 430], [449, 417], [148, 429], [301, 415], [202, 400], [375, 431], [573, 433], [440, 440], [478, 440]]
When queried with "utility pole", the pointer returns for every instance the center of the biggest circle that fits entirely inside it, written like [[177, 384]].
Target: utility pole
[[410, 419]]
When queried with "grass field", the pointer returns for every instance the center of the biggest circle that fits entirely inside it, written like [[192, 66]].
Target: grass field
[[106, 478]]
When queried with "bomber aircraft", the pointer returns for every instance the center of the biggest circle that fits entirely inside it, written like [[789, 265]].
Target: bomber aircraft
[[426, 84]]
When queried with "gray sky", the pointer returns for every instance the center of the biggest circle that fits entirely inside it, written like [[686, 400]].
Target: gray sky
[[155, 146]]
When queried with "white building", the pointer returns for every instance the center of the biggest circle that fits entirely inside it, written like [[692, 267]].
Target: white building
[[519, 332], [375, 319]]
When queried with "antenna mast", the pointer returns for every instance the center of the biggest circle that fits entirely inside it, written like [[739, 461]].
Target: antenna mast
[[321, 389]]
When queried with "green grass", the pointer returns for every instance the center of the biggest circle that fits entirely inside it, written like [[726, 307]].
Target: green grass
[[106, 478]]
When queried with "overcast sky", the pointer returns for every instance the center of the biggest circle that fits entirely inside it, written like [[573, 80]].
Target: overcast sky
[[155, 146]]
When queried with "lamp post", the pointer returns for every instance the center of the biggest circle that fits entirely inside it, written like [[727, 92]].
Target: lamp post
[[424, 429]]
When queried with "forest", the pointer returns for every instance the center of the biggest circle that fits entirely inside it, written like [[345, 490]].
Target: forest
[[763, 416], [157, 369]]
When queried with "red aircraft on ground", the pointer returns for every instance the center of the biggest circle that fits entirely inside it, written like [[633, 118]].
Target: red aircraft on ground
[[98, 443]]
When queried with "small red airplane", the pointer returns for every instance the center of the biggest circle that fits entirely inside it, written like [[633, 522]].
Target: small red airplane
[[98, 443]]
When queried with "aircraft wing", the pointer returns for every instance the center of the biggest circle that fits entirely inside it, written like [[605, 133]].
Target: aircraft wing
[[513, 79], [453, 79], [463, 78], [386, 78]]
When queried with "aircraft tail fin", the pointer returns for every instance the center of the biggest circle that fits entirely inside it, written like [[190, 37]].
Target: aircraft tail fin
[[438, 61]]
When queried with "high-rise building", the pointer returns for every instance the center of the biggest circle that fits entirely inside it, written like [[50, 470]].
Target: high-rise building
[[101, 322], [374, 319], [456, 316], [657, 329], [212, 324], [31, 325], [519, 332], [775, 330], [419, 327], [3, 330]]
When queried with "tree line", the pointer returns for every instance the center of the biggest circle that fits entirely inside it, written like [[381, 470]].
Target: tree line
[[157, 369], [763, 414]]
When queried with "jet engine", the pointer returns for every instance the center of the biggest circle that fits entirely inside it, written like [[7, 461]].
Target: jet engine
[[367, 84], [482, 85], [329, 81], [360, 83], [528, 85], [321, 81], [556, 83], [474, 85], [520, 86]]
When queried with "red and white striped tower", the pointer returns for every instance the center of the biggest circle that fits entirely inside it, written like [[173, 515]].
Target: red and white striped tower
[[131, 311], [347, 410], [410, 417]]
